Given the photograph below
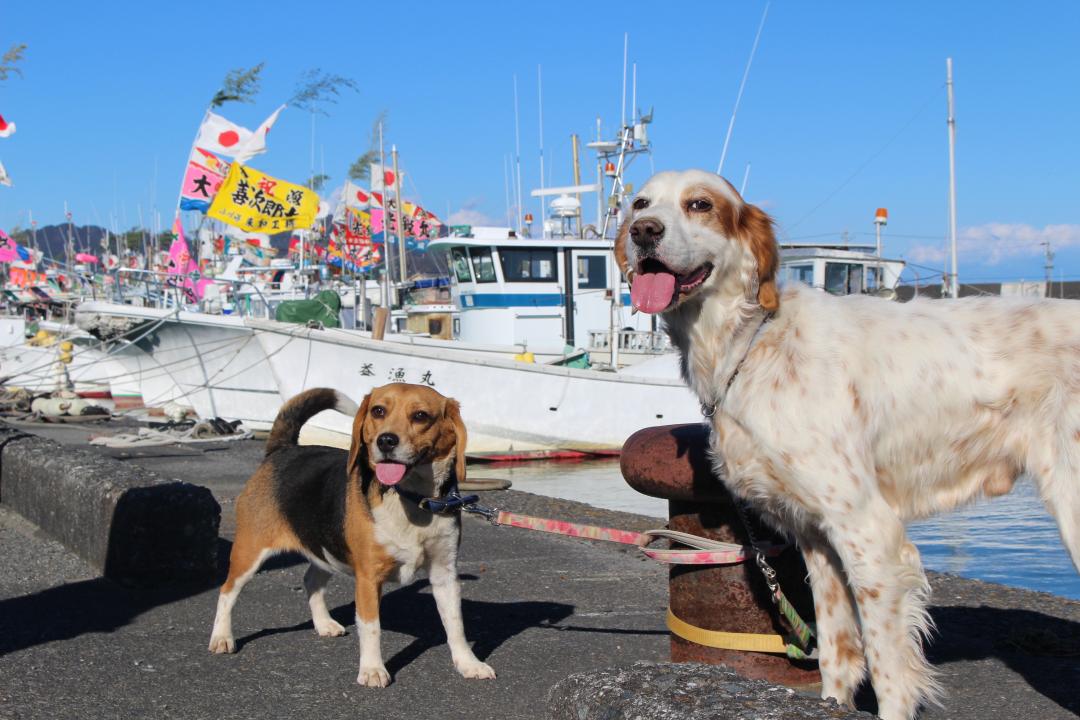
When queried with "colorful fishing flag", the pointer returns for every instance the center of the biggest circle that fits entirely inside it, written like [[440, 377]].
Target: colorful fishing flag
[[5, 179], [201, 183], [357, 226], [221, 136], [8, 252], [256, 202], [180, 263], [7, 129]]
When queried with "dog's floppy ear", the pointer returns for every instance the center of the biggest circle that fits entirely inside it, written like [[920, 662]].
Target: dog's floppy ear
[[757, 229], [358, 448], [620, 250], [461, 437]]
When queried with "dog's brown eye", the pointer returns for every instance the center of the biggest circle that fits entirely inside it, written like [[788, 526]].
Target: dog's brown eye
[[378, 411], [641, 203], [699, 205], [420, 416]]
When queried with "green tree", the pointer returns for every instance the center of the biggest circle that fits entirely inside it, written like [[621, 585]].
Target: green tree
[[317, 182], [9, 62], [316, 88], [361, 167], [240, 85]]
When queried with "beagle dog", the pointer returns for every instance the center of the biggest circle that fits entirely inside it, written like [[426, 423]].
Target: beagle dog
[[356, 513]]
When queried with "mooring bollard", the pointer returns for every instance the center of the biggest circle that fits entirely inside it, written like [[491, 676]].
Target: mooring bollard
[[671, 462]]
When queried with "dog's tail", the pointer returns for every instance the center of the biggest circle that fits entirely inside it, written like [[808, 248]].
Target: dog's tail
[[301, 408]]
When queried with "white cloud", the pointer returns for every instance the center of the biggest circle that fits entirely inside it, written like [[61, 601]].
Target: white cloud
[[991, 243], [468, 214]]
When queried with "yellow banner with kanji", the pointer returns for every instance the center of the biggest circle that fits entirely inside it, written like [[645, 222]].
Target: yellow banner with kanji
[[254, 201]]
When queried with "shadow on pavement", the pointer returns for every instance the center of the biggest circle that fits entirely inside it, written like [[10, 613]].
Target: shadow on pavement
[[409, 611], [1042, 649]]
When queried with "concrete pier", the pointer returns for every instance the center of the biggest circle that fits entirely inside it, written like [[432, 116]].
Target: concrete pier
[[539, 608]]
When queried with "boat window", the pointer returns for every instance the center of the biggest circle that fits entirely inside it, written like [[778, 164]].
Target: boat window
[[482, 264], [591, 271], [797, 273], [461, 264], [843, 278], [528, 264]]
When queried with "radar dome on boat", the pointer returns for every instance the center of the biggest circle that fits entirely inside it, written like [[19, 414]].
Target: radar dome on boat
[[565, 206]]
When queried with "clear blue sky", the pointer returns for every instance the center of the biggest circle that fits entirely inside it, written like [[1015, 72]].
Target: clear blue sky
[[844, 111]]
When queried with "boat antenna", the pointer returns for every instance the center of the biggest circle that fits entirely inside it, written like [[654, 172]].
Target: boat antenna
[[742, 86], [517, 158], [745, 181], [540, 95], [625, 51], [506, 189]]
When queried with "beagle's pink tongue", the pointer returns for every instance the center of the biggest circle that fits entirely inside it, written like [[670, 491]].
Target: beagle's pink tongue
[[652, 292], [389, 473]]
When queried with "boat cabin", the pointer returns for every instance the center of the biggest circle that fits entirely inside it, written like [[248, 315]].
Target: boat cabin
[[512, 289]]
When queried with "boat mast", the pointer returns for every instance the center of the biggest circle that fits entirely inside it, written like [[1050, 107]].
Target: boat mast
[[742, 86], [387, 267], [400, 214], [954, 283]]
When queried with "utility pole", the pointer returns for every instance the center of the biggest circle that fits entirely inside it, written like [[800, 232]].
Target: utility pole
[[954, 282], [1049, 254]]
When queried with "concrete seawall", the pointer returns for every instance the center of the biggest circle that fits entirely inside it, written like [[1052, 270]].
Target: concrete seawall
[[129, 523]]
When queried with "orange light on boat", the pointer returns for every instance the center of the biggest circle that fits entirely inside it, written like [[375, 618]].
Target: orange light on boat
[[609, 169], [528, 218], [881, 217]]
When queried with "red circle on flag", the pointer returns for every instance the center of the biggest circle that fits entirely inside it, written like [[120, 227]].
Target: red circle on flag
[[228, 138], [388, 177], [3, 123], [361, 196]]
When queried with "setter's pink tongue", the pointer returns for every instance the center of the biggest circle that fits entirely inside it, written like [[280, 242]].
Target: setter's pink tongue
[[652, 292], [389, 473]]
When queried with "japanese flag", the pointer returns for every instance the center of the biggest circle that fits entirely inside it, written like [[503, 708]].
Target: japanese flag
[[7, 129], [383, 179], [218, 135], [5, 179], [355, 196], [256, 144]]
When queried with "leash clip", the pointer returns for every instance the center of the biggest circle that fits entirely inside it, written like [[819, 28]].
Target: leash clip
[[490, 514]]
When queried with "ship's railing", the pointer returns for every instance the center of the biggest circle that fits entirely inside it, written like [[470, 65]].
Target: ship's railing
[[632, 341], [166, 290]]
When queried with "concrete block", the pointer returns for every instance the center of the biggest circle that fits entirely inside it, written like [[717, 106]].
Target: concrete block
[[130, 523]]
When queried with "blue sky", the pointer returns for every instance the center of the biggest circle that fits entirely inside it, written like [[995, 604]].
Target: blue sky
[[844, 110]]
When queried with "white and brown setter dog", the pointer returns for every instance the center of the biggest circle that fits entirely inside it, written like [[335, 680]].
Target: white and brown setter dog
[[841, 418]]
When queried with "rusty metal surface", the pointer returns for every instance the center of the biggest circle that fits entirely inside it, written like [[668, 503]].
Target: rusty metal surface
[[734, 598], [671, 462]]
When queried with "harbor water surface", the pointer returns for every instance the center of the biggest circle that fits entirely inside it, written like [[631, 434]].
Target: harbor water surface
[[1010, 540]]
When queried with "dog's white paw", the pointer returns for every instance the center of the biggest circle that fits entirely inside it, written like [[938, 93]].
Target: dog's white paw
[[373, 676], [329, 628], [476, 670], [220, 644]]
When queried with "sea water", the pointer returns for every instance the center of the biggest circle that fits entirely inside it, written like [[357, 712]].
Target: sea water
[[1010, 540]]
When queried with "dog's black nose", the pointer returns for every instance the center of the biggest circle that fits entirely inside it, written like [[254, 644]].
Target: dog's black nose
[[646, 232], [387, 442]]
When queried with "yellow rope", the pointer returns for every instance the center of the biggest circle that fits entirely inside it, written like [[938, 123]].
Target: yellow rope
[[748, 642]]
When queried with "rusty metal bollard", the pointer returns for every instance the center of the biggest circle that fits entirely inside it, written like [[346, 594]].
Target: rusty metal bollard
[[671, 462]]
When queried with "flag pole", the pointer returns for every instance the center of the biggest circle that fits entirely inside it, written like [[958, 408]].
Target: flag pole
[[398, 209], [386, 235]]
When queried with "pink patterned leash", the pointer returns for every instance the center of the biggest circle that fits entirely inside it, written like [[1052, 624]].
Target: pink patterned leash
[[703, 551]]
